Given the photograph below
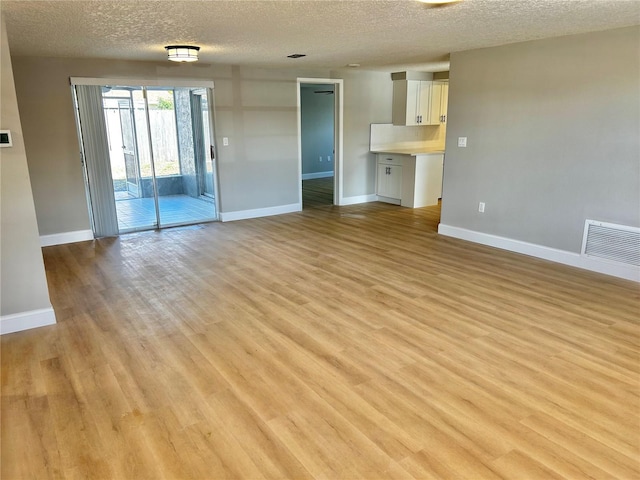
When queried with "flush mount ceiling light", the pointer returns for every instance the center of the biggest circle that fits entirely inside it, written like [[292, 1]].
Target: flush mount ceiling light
[[182, 53]]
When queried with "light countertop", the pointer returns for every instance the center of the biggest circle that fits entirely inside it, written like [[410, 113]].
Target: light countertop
[[409, 151]]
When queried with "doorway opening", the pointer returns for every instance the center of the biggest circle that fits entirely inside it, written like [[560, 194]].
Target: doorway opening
[[320, 114], [148, 154]]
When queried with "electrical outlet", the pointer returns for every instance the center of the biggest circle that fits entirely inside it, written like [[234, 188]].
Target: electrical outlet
[[328, 158], [320, 157], [462, 141], [225, 141], [481, 207]]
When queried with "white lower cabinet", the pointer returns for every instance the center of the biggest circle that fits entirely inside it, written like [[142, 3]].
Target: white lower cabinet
[[410, 180], [389, 178]]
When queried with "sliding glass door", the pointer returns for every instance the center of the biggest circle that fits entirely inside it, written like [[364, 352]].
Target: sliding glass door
[[124, 109], [153, 147]]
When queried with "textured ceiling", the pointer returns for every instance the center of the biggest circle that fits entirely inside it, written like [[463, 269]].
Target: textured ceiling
[[377, 34]]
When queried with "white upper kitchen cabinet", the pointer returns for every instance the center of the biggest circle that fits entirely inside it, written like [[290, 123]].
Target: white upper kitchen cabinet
[[439, 101], [411, 102], [418, 99], [412, 98]]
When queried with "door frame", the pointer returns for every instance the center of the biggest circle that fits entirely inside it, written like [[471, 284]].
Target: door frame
[[338, 133], [135, 144]]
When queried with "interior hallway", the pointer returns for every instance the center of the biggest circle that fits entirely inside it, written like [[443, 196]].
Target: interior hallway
[[317, 192]]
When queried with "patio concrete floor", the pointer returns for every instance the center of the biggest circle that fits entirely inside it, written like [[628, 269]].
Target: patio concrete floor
[[139, 213]]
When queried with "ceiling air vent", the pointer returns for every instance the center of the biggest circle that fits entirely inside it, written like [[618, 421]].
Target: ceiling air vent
[[618, 243]]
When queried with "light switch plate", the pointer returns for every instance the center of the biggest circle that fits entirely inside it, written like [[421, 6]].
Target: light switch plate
[[462, 141], [225, 141]]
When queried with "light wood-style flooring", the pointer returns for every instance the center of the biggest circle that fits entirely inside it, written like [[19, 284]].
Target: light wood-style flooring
[[317, 192], [342, 342]]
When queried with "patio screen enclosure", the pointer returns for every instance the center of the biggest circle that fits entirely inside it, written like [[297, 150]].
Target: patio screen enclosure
[[148, 154]]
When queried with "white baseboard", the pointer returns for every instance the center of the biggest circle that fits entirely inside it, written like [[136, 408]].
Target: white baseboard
[[27, 320], [628, 272], [259, 212], [358, 199], [311, 176], [65, 237], [394, 201]]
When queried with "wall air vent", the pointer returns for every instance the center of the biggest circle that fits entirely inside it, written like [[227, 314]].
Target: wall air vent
[[618, 243]]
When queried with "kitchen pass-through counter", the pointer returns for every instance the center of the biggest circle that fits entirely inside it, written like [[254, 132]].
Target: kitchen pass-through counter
[[409, 179], [408, 150], [409, 164]]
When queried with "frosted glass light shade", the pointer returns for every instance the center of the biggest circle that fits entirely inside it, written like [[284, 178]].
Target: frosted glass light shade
[[182, 53]]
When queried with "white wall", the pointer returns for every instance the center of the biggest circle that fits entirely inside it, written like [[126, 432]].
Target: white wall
[[553, 129], [368, 98], [255, 108], [24, 293]]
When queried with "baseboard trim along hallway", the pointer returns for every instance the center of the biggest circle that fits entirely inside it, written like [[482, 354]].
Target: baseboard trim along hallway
[[65, 237], [259, 212], [18, 322]]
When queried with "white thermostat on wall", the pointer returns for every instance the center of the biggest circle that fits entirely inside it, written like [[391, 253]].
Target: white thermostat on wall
[[5, 138]]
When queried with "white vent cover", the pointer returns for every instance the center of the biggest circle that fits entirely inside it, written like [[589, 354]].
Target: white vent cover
[[619, 243]]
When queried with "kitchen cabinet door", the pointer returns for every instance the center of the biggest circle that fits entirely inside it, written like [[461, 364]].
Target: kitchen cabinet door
[[439, 102], [411, 102], [394, 182], [444, 102], [413, 98], [423, 103], [389, 179], [435, 110]]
